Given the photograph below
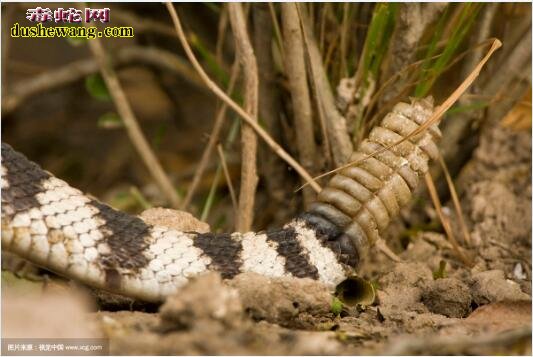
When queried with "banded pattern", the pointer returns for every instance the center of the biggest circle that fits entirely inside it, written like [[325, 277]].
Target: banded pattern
[[59, 228]]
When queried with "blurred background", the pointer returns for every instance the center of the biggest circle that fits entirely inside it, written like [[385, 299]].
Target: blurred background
[[56, 108]]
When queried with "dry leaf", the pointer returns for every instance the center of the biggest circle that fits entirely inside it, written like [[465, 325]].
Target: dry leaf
[[519, 117]]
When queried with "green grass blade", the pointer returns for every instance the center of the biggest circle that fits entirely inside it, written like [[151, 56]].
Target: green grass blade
[[435, 69]]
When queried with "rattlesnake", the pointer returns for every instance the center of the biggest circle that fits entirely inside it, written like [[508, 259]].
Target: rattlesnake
[[55, 226]]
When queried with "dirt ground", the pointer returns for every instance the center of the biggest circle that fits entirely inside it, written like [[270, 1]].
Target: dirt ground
[[421, 307]]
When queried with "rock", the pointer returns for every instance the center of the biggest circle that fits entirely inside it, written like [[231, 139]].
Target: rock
[[204, 299], [402, 288], [501, 316], [518, 272], [449, 297], [281, 300], [173, 219], [491, 286]]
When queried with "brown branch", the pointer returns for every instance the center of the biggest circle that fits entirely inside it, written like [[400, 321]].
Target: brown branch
[[131, 124], [295, 70], [245, 54], [73, 72], [242, 113], [412, 22]]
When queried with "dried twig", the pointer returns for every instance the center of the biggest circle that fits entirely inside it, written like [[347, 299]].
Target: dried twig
[[213, 138], [444, 220], [228, 179], [245, 54], [245, 116], [456, 203], [75, 71], [131, 124], [295, 70]]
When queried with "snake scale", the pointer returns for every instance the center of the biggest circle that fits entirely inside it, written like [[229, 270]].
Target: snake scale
[[57, 227]]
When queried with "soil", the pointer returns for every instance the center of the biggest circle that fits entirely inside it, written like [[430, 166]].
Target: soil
[[422, 305]]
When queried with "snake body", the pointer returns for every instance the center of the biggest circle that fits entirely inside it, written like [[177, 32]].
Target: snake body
[[55, 226]]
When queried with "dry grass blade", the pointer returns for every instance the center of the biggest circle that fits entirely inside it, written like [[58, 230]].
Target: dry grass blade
[[405, 70], [444, 220], [242, 113], [132, 126], [440, 110], [228, 178], [456, 202]]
